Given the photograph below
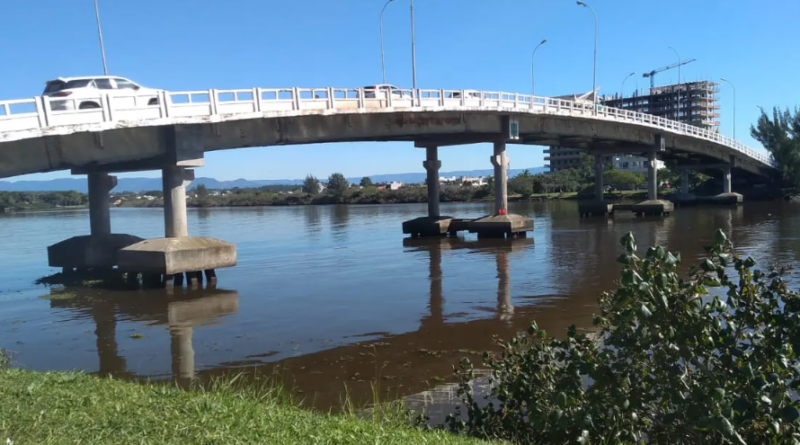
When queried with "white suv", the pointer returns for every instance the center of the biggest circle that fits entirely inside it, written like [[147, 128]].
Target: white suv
[[379, 91], [85, 92]]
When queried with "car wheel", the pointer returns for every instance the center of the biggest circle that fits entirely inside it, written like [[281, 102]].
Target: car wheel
[[153, 101], [88, 106]]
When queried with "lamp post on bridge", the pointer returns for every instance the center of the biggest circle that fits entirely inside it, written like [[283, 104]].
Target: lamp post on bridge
[[383, 60], [734, 103], [533, 54], [594, 69], [100, 36], [622, 90]]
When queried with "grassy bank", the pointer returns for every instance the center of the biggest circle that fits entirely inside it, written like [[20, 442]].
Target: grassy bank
[[62, 408]]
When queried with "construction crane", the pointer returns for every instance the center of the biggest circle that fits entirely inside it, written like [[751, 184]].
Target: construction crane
[[652, 74]]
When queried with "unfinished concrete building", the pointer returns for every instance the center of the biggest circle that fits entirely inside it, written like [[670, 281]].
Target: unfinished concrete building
[[694, 103]]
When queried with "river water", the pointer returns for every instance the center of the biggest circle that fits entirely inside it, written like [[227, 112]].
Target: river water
[[334, 301]]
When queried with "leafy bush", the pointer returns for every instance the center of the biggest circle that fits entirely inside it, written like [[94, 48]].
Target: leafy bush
[[669, 362]]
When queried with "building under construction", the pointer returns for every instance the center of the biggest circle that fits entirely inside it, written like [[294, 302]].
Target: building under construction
[[694, 103]]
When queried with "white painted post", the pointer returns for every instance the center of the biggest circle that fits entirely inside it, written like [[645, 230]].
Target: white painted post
[[482, 102], [41, 111], [361, 97], [441, 98], [257, 100], [296, 98], [463, 98], [212, 98], [331, 103], [108, 115], [388, 98], [163, 104]]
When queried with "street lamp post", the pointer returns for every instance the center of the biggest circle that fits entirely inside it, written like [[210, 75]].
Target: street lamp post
[[734, 103], [594, 69], [622, 90], [678, 112], [413, 56], [383, 60], [100, 36], [533, 84]]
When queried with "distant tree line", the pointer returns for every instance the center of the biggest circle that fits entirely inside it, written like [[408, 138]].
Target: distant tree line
[[21, 201]]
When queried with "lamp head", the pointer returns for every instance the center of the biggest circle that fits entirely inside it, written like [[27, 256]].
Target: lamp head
[[580, 3], [723, 79], [543, 42]]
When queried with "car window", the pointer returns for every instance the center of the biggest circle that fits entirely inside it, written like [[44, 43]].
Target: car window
[[57, 85], [123, 84], [103, 84]]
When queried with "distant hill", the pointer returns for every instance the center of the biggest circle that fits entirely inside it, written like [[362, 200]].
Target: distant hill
[[145, 184]]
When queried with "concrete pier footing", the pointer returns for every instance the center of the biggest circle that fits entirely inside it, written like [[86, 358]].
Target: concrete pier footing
[[172, 256], [427, 226], [501, 226], [89, 251], [654, 207], [595, 208]]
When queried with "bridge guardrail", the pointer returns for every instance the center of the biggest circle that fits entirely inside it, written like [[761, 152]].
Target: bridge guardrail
[[44, 112]]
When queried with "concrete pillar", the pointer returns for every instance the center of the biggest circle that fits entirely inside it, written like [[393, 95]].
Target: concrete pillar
[[652, 176], [99, 217], [432, 165], [500, 163], [599, 168], [175, 180], [726, 180], [684, 182]]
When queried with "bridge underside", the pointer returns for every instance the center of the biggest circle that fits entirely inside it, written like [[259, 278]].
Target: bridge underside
[[152, 145]]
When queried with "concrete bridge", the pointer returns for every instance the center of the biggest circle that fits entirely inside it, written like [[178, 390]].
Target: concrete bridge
[[128, 133]]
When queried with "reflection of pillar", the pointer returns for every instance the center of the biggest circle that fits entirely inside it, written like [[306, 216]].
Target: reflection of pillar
[[182, 353], [99, 217], [500, 163], [599, 167], [652, 177], [504, 306], [726, 179], [175, 180], [684, 181], [435, 276], [105, 322], [432, 165]]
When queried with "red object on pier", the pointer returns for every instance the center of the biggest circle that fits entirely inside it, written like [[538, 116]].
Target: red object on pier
[[501, 212]]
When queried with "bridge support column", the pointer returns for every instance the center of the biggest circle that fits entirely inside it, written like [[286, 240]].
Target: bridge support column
[[162, 259], [500, 163], [432, 165], [599, 169], [652, 175], [684, 182], [97, 251], [501, 224], [434, 224], [174, 181], [728, 196], [653, 205], [598, 207]]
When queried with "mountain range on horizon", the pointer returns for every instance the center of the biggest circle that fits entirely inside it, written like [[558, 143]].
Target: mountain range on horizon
[[144, 184]]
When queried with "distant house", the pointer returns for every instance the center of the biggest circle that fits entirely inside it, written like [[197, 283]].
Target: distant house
[[394, 185], [472, 181]]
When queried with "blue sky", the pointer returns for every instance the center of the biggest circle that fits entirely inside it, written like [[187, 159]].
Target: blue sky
[[480, 44]]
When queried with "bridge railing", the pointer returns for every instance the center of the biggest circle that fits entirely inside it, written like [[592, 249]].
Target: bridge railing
[[44, 112]]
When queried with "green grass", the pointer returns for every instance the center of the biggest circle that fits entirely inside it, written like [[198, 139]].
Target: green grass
[[71, 408]]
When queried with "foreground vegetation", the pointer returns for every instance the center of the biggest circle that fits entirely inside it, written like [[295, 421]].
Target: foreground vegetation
[[58, 408], [705, 358]]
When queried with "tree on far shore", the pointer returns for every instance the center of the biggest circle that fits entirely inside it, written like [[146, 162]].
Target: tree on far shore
[[311, 185], [366, 181], [338, 184]]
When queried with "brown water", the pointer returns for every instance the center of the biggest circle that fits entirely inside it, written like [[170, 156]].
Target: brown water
[[334, 297]]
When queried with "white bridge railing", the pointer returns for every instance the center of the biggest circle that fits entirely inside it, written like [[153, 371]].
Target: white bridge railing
[[43, 112]]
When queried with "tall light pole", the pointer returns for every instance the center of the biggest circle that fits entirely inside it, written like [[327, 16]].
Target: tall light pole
[[383, 61], [594, 70], [622, 90], [678, 113], [734, 103], [533, 84], [100, 35], [413, 55]]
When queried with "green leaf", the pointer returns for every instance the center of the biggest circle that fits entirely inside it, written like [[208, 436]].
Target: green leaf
[[561, 400], [718, 395], [645, 312], [712, 282], [790, 413], [708, 265], [749, 262], [624, 258], [671, 259], [720, 237]]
